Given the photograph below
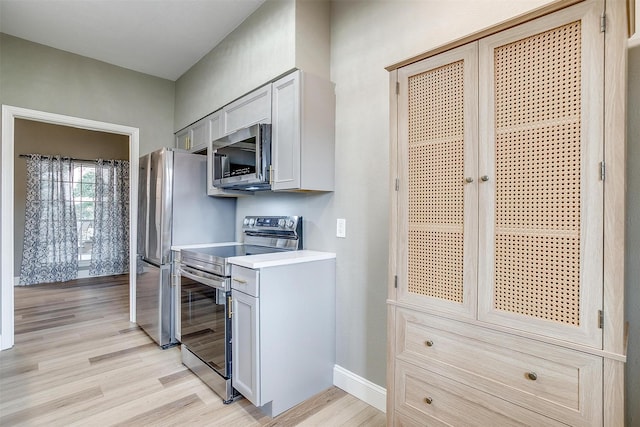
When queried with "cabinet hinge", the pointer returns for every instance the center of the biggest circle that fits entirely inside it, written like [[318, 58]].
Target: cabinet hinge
[[602, 170], [397, 184], [600, 319], [603, 22], [397, 88], [395, 281]]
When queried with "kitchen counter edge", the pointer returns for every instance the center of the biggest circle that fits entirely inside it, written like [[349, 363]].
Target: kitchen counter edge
[[280, 258]]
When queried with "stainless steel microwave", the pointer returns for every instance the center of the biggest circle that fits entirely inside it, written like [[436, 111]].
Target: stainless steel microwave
[[242, 160]]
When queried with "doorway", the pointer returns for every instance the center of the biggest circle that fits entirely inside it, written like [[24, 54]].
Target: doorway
[[9, 116]]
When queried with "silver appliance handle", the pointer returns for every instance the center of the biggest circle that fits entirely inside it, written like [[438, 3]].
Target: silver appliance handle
[[202, 277]]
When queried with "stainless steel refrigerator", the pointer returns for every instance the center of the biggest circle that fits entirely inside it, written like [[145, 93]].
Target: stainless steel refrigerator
[[173, 209]]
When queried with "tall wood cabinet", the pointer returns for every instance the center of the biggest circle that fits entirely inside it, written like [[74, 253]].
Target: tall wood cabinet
[[505, 299]]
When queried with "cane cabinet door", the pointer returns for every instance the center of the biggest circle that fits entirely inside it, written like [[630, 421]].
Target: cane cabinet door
[[437, 161], [540, 193]]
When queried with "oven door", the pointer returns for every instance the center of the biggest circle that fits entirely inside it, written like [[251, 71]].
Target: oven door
[[205, 326]]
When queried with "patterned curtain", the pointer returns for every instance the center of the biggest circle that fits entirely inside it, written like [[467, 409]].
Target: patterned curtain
[[50, 251], [110, 252]]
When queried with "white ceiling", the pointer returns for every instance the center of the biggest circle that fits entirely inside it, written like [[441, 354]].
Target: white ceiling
[[162, 38]]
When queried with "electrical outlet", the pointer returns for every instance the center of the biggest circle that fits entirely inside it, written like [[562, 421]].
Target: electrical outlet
[[341, 227]]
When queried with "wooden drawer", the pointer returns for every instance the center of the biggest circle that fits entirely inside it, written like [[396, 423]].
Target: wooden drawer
[[561, 383], [245, 280], [435, 400]]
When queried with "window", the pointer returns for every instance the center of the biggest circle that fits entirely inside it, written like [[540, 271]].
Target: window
[[84, 190]]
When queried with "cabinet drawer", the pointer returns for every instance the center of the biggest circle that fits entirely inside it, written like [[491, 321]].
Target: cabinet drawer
[[437, 400], [558, 382], [245, 280]]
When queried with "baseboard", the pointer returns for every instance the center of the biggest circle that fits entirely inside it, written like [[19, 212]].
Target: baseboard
[[361, 388]]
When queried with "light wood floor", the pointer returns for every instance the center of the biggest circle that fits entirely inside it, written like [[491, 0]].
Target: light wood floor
[[78, 361]]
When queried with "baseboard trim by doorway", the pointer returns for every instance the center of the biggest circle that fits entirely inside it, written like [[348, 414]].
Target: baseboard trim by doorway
[[361, 388]]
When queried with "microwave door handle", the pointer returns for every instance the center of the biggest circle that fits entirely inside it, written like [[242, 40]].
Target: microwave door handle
[[209, 281]]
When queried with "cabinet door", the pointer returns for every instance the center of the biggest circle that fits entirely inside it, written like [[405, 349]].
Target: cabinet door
[[245, 347], [285, 147], [200, 135], [215, 126], [248, 110], [437, 162], [541, 235], [183, 138]]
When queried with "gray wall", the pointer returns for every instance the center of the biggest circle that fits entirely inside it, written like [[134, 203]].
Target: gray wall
[[279, 36], [38, 77], [259, 50], [41, 78], [632, 259], [365, 36], [32, 137]]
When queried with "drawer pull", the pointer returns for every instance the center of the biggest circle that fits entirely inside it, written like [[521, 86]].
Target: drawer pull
[[428, 343], [532, 376], [428, 400], [239, 281]]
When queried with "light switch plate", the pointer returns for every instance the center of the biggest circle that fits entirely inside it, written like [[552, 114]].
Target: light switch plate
[[341, 227]]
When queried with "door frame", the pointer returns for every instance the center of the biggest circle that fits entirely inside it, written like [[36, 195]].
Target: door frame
[[9, 114]]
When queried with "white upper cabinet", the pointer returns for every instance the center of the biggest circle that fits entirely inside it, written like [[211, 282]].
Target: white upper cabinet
[[196, 137], [183, 138], [252, 108], [303, 142]]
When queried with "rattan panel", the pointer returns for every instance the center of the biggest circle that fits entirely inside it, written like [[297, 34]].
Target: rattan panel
[[538, 178], [436, 108], [538, 276], [537, 182], [435, 264], [435, 182], [538, 78]]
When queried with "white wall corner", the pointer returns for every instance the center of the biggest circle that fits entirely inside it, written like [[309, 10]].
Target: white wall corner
[[361, 388]]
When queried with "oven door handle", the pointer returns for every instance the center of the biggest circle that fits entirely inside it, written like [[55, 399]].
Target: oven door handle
[[202, 277]]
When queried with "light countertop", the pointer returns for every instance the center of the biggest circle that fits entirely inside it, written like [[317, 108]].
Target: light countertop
[[280, 258]]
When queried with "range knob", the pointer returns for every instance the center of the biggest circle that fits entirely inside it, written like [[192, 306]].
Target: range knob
[[252, 221], [246, 221], [290, 223]]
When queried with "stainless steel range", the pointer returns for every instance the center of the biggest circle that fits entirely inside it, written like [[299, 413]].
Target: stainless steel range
[[205, 293]]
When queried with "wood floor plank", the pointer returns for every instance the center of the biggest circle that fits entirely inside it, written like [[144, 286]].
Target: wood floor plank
[[77, 360], [37, 411]]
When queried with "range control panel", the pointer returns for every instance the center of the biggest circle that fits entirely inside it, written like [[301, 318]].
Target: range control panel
[[272, 223]]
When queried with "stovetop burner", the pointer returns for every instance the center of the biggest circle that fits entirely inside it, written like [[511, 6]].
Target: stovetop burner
[[262, 235], [212, 253]]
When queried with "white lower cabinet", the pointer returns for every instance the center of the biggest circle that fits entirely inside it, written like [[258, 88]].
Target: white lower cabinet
[[246, 345], [283, 333]]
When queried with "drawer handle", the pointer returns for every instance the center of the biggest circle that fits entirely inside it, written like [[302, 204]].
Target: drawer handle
[[428, 400], [428, 343], [532, 376], [484, 178], [240, 281]]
